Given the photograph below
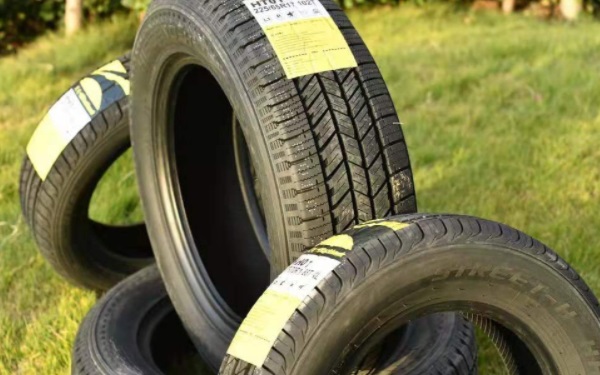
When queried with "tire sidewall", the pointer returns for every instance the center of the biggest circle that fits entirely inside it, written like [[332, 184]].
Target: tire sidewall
[[572, 339], [211, 328], [70, 228], [109, 339]]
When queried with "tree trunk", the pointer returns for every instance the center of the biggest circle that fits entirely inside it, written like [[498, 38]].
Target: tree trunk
[[73, 16], [570, 9], [508, 6]]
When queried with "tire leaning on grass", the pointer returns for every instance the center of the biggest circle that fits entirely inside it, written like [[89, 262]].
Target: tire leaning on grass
[[82, 135], [133, 330], [376, 277], [308, 157]]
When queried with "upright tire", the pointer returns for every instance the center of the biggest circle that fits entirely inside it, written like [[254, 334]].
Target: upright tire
[[352, 290], [79, 139], [308, 156], [134, 330]]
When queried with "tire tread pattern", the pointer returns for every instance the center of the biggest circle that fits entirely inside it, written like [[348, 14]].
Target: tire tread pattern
[[340, 154]]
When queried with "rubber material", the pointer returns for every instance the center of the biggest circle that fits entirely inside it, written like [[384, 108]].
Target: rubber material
[[404, 267], [327, 149], [443, 341], [132, 330], [87, 253]]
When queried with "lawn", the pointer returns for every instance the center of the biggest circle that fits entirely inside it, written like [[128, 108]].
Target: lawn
[[501, 115]]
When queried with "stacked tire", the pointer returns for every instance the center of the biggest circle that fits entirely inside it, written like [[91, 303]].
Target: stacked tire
[[256, 147], [538, 312]]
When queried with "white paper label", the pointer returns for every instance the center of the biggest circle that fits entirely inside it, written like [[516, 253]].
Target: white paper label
[[271, 12], [303, 275], [69, 116], [303, 35], [259, 330]]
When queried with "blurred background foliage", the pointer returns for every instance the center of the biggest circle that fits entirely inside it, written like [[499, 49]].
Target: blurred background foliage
[[22, 20], [136, 5]]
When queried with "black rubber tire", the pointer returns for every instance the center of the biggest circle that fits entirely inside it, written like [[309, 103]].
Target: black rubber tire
[[396, 269], [132, 330], [444, 341], [327, 148], [87, 253]]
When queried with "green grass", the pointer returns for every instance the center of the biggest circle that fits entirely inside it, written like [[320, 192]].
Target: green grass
[[125, 207], [40, 313], [501, 114]]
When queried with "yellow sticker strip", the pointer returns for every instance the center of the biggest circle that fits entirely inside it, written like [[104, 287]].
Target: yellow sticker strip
[[89, 89], [114, 72], [303, 35], [341, 240], [62, 123], [393, 225], [259, 331], [71, 113], [336, 246], [255, 337], [326, 251]]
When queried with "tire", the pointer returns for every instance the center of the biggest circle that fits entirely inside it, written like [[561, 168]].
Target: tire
[[132, 330], [58, 180], [327, 150], [378, 276], [441, 341]]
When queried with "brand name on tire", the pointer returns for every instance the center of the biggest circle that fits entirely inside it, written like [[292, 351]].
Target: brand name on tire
[[538, 291], [270, 4]]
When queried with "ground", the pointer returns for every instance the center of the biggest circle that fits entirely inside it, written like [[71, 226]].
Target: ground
[[501, 115]]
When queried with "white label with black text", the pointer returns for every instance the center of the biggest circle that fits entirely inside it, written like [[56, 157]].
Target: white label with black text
[[303, 275], [69, 116], [270, 12]]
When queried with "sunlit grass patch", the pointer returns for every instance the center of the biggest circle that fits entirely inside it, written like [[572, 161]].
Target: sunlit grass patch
[[501, 116]]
